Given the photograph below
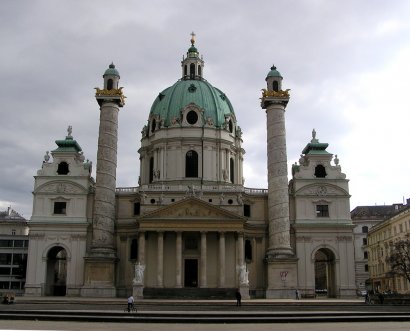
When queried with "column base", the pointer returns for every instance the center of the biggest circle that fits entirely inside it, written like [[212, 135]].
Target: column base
[[98, 291], [282, 278]]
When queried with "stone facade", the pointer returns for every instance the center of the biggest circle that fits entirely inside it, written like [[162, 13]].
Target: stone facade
[[190, 228], [323, 229]]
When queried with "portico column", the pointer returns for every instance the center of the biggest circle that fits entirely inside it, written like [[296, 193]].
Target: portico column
[[203, 282], [141, 248], [160, 260], [240, 249], [222, 259], [227, 165], [178, 267]]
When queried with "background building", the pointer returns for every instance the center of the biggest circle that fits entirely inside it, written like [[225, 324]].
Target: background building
[[13, 251], [380, 244], [190, 228], [364, 218]]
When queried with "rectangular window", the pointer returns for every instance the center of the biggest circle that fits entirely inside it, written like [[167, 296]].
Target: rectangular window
[[6, 243], [366, 267], [60, 208], [5, 259], [322, 211], [4, 271], [15, 285], [4, 285], [16, 272], [247, 210], [364, 241], [18, 243], [365, 255]]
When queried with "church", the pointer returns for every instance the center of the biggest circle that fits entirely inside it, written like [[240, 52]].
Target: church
[[189, 228]]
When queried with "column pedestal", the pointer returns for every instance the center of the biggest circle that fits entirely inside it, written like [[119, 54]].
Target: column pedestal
[[282, 278], [99, 278], [244, 291], [138, 291]]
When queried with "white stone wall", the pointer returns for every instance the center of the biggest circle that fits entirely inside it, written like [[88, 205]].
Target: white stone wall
[[168, 147]]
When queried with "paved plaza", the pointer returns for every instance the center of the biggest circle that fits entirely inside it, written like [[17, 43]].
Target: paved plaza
[[74, 326], [64, 313]]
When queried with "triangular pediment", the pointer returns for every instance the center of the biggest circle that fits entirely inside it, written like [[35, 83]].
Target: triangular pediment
[[191, 208]]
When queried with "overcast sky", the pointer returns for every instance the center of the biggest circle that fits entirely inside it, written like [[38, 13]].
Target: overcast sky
[[346, 63]]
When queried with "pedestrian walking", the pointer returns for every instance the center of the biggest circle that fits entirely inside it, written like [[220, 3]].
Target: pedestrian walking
[[238, 297], [297, 294]]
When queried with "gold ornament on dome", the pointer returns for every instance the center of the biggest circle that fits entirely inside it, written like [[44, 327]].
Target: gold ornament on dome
[[275, 94], [110, 93]]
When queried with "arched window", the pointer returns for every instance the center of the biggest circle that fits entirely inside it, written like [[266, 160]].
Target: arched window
[[62, 168], [134, 249], [191, 164], [320, 171], [109, 84], [192, 70], [185, 70], [365, 229], [151, 169], [231, 170], [230, 126], [275, 85], [248, 251], [199, 71]]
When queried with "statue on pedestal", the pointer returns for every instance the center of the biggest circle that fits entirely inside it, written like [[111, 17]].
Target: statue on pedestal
[[243, 275], [138, 274]]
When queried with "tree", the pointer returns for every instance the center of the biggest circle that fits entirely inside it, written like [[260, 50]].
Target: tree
[[399, 258]]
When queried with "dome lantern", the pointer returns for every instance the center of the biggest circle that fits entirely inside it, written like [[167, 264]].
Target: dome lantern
[[192, 65]]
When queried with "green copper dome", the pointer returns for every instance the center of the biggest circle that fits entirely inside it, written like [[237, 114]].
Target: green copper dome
[[111, 71], [172, 100], [192, 49], [274, 73]]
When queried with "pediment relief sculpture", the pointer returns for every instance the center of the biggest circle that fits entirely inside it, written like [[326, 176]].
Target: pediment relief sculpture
[[321, 190], [62, 188], [191, 209]]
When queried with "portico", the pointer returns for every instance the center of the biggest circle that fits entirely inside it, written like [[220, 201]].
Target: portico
[[202, 252]]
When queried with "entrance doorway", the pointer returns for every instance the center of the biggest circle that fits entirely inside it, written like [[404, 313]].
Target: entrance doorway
[[56, 272], [325, 273], [191, 273]]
